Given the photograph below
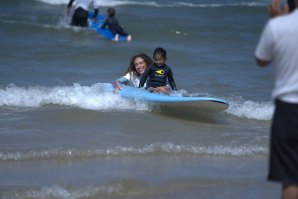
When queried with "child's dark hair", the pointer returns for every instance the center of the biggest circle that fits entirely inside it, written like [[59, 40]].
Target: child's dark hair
[[111, 12], [160, 51]]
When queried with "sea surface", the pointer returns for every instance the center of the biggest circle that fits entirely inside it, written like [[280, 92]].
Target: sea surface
[[63, 136]]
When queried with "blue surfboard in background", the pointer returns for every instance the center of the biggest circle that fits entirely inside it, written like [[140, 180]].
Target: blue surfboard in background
[[96, 24]]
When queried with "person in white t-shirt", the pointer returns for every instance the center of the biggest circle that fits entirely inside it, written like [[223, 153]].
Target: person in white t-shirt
[[80, 15], [278, 45]]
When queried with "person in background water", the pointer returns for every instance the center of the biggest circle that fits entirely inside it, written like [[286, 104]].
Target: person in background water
[[278, 45], [138, 64], [159, 73], [113, 24], [80, 15]]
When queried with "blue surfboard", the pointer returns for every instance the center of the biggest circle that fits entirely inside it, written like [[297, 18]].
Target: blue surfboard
[[96, 24], [187, 104]]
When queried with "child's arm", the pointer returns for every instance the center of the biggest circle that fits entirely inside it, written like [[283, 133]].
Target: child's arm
[[171, 80], [144, 77]]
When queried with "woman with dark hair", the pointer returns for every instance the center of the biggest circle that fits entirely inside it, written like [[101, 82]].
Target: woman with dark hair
[[137, 66]]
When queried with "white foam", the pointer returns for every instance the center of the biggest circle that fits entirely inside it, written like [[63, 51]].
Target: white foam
[[250, 109], [54, 2], [106, 3], [95, 97], [241, 107], [57, 191], [157, 148], [99, 97]]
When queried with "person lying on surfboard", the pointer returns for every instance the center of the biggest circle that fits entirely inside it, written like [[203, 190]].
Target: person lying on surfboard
[[137, 66], [159, 73], [113, 25]]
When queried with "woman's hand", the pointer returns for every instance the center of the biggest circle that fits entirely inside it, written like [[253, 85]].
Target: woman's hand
[[116, 89], [162, 89]]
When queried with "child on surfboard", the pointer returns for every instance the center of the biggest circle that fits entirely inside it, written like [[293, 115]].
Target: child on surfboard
[[113, 25], [159, 73]]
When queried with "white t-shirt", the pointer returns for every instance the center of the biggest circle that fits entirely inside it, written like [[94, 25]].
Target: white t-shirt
[[279, 44], [132, 79], [86, 3]]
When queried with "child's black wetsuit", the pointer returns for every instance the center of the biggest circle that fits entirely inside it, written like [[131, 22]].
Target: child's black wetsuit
[[158, 76], [114, 26]]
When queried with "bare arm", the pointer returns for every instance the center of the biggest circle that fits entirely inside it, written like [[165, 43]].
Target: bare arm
[[262, 63], [274, 10], [144, 77], [69, 6], [162, 89], [171, 80]]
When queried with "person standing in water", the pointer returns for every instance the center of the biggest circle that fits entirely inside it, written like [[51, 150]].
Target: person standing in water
[[80, 15], [278, 45]]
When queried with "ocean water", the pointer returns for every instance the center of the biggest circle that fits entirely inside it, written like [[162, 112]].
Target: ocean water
[[62, 135]]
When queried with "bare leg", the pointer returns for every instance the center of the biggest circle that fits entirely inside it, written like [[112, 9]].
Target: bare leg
[[116, 38], [289, 191], [129, 38]]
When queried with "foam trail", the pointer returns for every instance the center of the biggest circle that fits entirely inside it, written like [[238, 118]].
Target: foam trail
[[250, 109], [158, 148], [95, 97], [67, 192], [106, 3], [54, 2]]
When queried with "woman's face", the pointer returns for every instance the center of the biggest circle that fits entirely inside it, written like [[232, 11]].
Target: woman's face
[[140, 65]]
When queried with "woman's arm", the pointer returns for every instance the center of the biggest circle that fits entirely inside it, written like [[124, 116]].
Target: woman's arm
[[116, 84], [68, 7], [262, 63], [171, 80]]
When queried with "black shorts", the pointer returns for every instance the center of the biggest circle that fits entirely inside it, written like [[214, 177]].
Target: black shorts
[[116, 29], [80, 17], [283, 162]]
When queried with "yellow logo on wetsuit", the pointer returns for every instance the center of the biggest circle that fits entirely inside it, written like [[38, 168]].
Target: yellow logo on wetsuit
[[159, 72]]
